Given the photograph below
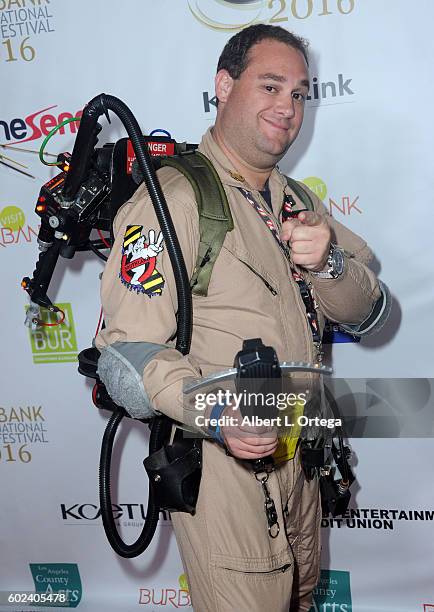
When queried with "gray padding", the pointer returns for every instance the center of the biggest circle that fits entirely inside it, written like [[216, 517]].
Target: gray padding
[[120, 368], [376, 318]]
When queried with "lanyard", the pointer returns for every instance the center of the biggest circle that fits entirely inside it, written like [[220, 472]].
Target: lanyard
[[305, 292]]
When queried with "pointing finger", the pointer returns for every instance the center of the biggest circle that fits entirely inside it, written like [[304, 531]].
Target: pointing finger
[[288, 227], [311, 218], [151, 237]]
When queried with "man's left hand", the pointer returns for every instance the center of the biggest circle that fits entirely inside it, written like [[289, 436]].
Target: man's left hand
[[309, 237]]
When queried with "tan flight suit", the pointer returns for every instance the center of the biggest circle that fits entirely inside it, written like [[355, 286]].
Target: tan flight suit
[[231, 563]]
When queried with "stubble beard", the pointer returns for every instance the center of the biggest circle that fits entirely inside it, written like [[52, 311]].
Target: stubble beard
[[267, 152]]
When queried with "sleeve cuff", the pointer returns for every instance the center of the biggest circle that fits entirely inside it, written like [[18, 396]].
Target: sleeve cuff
[[214, 430], [376, 318]]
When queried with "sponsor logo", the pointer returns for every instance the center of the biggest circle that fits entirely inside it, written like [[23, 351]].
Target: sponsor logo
[[320, 92], [376, 518], [323, 90], [14, 229], [23, 18], [174, 598], [233, 15], [125, 515], [333, 334], [54, 342], [12, 217], [20, 427], [183, 582], [58, 578], [316, 185], [36, 125], [346, 205], [333, 592]]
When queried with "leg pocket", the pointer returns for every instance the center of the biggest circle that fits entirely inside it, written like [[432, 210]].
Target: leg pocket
[[252, 585]]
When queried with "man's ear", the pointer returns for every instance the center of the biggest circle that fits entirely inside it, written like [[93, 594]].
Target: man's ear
[[223, 85]]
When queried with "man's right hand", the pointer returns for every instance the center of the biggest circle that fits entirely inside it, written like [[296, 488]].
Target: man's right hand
[[246, 441]]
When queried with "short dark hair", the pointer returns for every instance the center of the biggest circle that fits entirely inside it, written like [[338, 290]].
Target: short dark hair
[[234, 57]]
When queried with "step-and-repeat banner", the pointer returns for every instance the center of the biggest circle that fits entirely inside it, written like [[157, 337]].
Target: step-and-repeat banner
[[365, 149]]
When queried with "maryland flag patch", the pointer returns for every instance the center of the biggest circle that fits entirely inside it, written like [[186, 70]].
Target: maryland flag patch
[[139, 258]]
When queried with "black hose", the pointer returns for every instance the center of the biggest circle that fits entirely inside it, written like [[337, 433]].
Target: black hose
[[79, 166], [119, 546]]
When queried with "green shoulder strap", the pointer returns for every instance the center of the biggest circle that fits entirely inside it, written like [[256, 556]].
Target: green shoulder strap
[[215, 218], [300, 193]]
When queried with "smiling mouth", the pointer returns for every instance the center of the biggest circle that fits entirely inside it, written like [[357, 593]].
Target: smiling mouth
[[277, 126]]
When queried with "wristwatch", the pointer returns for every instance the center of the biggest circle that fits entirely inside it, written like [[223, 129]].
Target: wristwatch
[[335, 263]]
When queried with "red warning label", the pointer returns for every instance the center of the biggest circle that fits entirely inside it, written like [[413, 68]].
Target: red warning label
[[155, 148]]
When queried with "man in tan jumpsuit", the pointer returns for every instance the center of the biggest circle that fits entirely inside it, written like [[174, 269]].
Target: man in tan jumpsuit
[[231, 562]]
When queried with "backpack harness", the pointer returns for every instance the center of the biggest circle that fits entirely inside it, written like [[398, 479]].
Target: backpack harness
[[215, 220]]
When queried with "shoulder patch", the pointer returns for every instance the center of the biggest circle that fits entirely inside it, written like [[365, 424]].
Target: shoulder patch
[[139, 259]]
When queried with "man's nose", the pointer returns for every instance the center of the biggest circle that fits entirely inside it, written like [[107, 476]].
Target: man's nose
[[286, 107]]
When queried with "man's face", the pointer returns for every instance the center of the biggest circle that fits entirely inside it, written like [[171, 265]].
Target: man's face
[[260, 114]]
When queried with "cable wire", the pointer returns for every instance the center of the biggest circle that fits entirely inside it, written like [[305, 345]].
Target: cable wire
[[47, 138]]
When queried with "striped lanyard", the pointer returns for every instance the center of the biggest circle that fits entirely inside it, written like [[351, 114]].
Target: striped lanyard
[[305, 292]]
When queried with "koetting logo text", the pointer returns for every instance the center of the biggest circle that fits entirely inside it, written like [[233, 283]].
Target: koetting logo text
[[376, 518], [319, 91], [36, 125], [14, 230], [133, 515]]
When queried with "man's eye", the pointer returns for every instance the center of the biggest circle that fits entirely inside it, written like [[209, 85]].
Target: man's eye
[[299, 96], [270, 88]]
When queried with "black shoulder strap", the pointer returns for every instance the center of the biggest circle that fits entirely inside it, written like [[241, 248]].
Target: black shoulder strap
[[301, 193], [215, 218]]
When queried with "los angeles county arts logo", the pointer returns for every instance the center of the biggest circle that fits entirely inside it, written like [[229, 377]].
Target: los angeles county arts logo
[[21, 21], [58, 578], [332, 592], [232, 15]]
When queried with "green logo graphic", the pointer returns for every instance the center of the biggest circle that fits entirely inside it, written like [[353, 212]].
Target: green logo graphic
[[12, 217], [183, 582], [58, 578], [51, 342], [317, 185], [333, 592]]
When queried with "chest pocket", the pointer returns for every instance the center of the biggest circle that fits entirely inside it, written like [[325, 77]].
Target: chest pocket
[[250, 265]]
